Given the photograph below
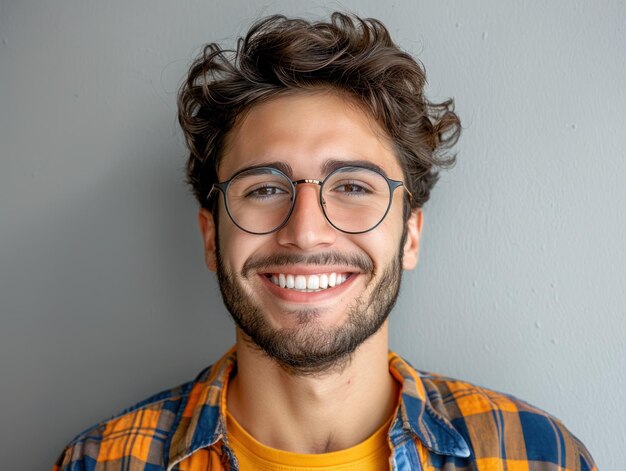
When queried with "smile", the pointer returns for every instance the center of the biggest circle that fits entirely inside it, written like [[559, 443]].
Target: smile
[[308, 283]]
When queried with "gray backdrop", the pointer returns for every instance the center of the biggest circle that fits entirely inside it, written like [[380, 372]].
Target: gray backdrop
[[104, 298]]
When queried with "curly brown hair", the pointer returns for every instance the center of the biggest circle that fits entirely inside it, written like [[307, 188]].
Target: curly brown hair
[[349, 54]]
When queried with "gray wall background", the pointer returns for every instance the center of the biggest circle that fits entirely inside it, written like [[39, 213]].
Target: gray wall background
[[104, 298]]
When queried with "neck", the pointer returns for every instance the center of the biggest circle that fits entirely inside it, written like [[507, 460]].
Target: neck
[[272, 404]]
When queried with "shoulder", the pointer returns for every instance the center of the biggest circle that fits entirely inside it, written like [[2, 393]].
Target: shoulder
[[501, 426], [140, 432]]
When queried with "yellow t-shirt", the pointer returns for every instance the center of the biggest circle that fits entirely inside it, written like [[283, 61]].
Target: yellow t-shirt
[[369, 455]]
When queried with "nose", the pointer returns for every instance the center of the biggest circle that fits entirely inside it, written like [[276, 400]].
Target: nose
[[307, 228]]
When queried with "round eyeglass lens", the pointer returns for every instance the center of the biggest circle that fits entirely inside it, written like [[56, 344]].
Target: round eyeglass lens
[[259, 200], [355, 199]]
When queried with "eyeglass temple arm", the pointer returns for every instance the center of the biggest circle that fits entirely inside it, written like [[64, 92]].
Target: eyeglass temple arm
[[396, 183], [409, 192], [217, 186]]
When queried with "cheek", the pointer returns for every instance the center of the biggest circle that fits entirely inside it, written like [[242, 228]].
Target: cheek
[[389, 233], [226, 242], [236, 246], [381, 244]]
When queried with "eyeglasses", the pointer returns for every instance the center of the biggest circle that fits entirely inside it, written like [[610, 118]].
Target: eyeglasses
[[354, 200]]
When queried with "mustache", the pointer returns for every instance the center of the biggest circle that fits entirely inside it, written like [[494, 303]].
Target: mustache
[[359, 261]]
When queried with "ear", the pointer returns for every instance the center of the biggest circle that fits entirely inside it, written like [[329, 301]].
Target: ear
[[412, 244], [207, 229]]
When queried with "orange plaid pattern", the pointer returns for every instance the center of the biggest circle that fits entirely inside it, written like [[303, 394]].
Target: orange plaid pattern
[[441, 424]]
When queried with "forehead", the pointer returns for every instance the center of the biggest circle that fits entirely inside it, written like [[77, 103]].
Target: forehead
[[306, 131]]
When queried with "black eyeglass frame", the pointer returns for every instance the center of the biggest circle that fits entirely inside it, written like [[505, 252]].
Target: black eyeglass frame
[[392, 184]]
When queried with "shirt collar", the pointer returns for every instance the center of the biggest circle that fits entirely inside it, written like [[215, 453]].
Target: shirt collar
[[418, 416], [201, 420]]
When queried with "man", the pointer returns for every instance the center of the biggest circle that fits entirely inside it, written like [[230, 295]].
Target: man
[[312, 152]]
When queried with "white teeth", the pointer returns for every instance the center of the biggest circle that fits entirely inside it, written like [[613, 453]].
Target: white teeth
[[300, 282], [313, 282], [308, 282], [324, 281], [332, 279]]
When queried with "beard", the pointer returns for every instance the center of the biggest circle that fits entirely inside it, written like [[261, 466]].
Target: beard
[[311, 348]]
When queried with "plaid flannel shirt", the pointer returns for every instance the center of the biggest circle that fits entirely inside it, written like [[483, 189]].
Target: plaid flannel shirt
[[440, 424]]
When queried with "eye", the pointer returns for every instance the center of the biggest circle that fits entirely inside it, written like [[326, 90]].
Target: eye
[[351, 188], [266, 191]]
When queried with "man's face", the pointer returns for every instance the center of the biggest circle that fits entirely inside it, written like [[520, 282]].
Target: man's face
[[309, 331]]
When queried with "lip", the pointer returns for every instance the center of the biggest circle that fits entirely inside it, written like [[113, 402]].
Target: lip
[[310, 270], [310, 297]]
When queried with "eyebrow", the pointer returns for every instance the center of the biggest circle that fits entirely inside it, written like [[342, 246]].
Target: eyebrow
[[333, 164], [278, 165], [328, 166]]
